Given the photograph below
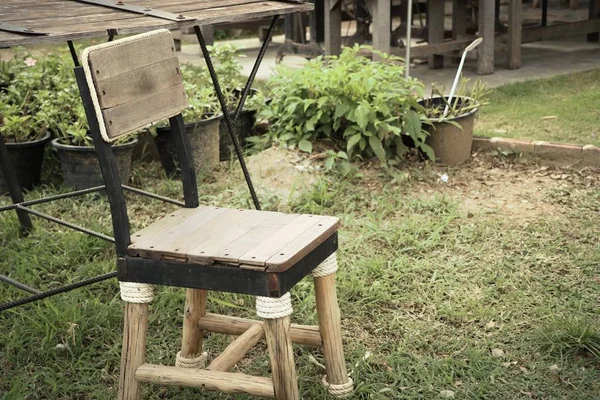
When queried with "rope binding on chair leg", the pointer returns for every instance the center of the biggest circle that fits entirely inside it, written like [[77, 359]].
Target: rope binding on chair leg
[[327, 267], [272, 308], [133, 292], [197, 362], [341, 391]]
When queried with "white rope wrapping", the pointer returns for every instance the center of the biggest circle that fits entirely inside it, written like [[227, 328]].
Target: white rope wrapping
[[341, 391], [90, 80], [327, 267], [132, 292], [198, 362], [272, 308]]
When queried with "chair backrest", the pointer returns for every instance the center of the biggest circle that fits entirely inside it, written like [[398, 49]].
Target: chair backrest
[[126, 85], [133, 82]]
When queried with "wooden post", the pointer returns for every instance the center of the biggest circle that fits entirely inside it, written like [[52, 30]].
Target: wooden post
[[195, 308], [134, 349], [485, 51], [382, 24], [333, 27], [226, 382], [237, 349], [301, 334], [331, 329], [277, 333], [459, 18], [435, 30], [594, 13], [459, 21], [515, 26]]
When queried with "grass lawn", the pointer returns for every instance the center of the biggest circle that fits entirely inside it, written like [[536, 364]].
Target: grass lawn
[[485, 287], [558, 109]]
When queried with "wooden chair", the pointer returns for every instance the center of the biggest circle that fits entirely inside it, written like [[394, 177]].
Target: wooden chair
[[125, 85]]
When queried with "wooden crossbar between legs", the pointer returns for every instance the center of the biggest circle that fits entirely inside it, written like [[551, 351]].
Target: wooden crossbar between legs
[[216, 323], [238, 349], [227, 382]]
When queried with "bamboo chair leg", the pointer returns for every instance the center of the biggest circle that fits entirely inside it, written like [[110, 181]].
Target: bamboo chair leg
[[134, 349], [337, 381], [277, 333], [191, 355], [277, 326]]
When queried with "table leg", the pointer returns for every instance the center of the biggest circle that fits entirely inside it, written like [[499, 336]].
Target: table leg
[[485, 51], [14, 188], [333, 27], [594, 12], [435, 30], [515, 27], [382, 24]]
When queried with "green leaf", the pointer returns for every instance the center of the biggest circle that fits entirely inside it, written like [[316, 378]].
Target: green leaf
[[352, 142], [329, 163], [377, 148], [428, 151], [343, 155], [413, 123], [340, 110], [361, 116], [305, 146]]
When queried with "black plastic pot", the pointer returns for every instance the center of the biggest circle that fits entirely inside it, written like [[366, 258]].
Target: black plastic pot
[[81, 168], [451, 144], [204, 141], [243, 128], [27, 158]]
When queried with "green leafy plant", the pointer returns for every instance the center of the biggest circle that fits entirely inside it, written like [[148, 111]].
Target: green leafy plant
[[365, 107], [464, 100]]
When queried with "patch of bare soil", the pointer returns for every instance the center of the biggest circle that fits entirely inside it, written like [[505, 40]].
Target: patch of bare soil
[[283, 172], [517, 191]]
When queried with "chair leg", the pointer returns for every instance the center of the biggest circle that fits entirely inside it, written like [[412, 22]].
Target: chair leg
[[137, 297], [191, 355], [276, 313], [337, 381]]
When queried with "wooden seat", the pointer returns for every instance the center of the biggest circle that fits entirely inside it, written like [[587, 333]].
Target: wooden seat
[[259, 240]]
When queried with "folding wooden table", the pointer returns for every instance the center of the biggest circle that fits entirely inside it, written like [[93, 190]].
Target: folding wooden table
[[29, 22]]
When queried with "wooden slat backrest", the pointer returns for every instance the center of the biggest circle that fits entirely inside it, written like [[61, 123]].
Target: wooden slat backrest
[[134, 81]]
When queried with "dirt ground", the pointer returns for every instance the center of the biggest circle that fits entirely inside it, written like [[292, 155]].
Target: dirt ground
[[518, 189]]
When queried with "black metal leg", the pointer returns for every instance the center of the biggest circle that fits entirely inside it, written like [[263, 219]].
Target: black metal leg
[[14, 188], [223, 103], [73, 53], [261, 55], [544, 12]]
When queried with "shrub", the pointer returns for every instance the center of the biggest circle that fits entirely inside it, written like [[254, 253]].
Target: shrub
[[364, 106]]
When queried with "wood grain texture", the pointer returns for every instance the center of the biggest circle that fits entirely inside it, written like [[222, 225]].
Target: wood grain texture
[[515, 22], [331, 330], [272, 240], [112, 61], [301, 334], [94, 24], [238, 349], [333, 27], [435, 30], [283, 366], [138, 82], [142, 111], [485, 51], [227, 382], [195, 308], [133, 352]]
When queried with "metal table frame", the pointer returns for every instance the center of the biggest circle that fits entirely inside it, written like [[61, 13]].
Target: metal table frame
[[23, 209]]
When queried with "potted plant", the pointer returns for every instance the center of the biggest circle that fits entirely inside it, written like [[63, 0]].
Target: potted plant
[[451, 121], [363, 108], [22, 125], [202, 128], [80, 165]]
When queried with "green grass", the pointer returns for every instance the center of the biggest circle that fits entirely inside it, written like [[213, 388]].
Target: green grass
[[518, 110], [426, 293]]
